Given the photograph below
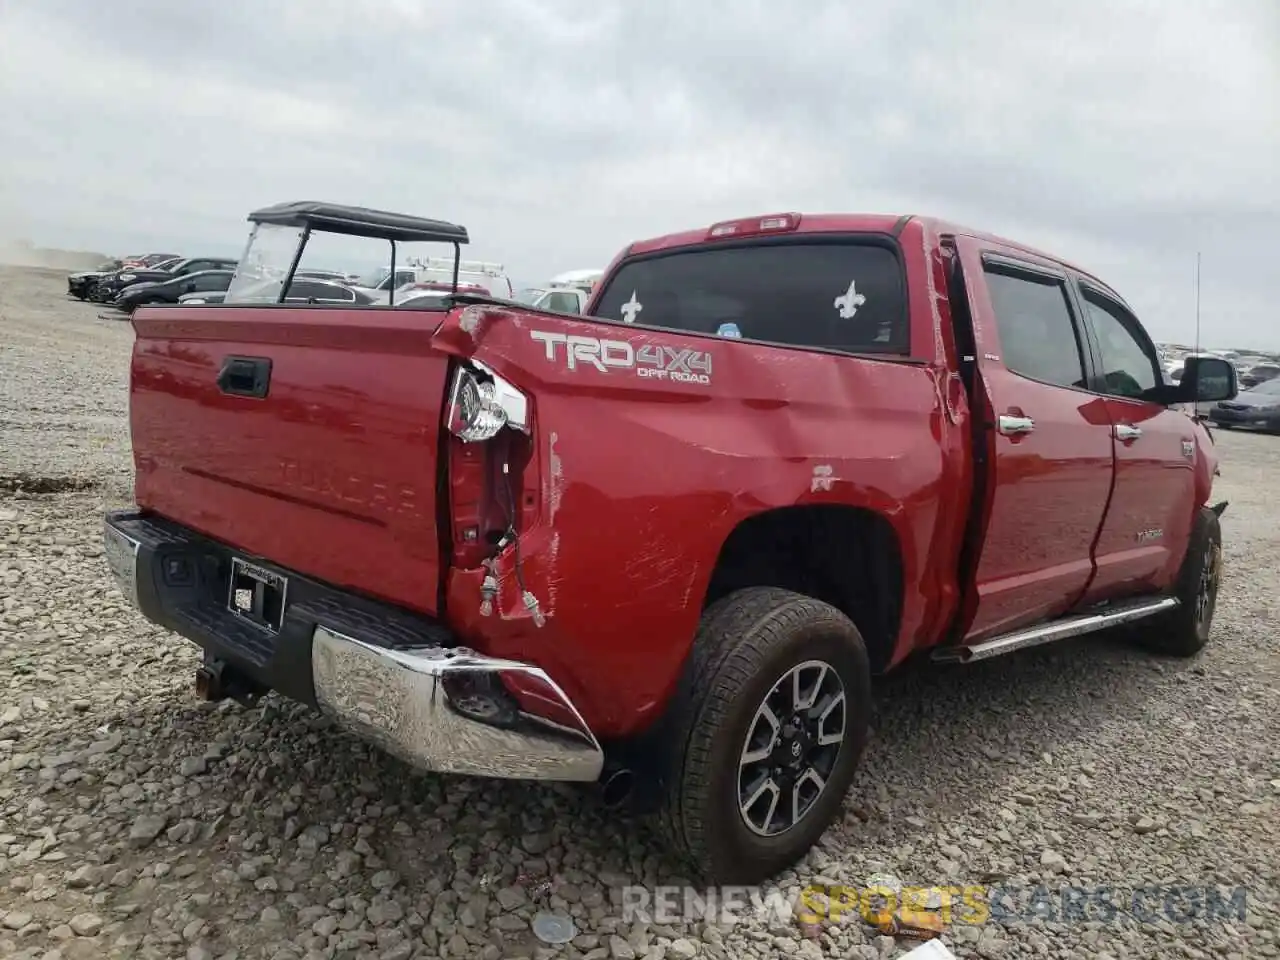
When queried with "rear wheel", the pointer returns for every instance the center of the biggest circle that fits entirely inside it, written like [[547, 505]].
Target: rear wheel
[[768, 726], [1185, 630]]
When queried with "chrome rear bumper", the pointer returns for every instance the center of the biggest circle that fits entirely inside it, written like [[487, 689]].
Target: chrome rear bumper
[[438, 707], [422, 705]]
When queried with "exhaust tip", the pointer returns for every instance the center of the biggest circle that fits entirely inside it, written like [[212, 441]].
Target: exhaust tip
[[616, 788]]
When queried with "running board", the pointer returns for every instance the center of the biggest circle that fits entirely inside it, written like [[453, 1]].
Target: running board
[[1063, 629]]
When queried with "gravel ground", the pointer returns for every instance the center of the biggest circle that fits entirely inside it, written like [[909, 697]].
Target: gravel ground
[[136, 821]]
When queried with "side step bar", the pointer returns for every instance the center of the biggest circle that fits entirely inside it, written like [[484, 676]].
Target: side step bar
[[1064, 629]]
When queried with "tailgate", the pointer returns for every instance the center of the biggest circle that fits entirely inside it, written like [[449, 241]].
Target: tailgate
[[306, 436]]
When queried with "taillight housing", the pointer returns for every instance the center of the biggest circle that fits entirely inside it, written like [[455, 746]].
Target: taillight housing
[[481, 403]]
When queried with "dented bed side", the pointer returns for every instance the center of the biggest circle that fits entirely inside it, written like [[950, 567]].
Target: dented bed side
[[635, 480]]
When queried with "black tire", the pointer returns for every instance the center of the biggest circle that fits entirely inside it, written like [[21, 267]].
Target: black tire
[[1185, 630], [747, 643]]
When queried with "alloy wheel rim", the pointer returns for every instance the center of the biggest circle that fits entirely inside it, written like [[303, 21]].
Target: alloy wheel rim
[[1207, 589], [791, 747]]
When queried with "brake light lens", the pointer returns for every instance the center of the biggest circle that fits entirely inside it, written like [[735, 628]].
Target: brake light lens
[[481, 403], [754, 226]]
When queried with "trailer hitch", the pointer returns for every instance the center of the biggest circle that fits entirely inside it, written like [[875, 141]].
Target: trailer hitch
[[217, 680]]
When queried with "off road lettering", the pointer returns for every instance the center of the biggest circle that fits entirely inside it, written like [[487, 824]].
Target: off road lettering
[[679, 365]]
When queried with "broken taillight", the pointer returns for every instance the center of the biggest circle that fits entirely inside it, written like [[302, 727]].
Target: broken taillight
[[481, 403], [753, 226]]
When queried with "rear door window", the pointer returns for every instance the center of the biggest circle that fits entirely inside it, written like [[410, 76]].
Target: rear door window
[[846, 295], [1037, 334]]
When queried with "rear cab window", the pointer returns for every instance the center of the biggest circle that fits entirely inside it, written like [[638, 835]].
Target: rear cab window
[[845, 293]]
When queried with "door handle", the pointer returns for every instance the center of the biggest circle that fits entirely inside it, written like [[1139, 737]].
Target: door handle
[[245, 376], [1012, 426], [1126, 433]]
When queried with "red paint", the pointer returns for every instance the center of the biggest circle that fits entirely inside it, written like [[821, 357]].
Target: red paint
[[626, 488]]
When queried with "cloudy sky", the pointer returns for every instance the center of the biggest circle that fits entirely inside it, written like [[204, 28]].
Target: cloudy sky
[[1124, 135]]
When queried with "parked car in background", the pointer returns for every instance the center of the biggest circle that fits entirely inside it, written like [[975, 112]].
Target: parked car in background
[[337, 276], [381, 280], [583, 279], [529, 295], [169, 291], [149, 260], [301, 290], [106, 288], [1259, 373], [1258, 407], [423, 300], [563, 300], [109, 287], [80, 285]]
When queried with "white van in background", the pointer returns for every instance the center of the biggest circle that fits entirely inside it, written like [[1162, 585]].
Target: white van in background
[[436, 273]]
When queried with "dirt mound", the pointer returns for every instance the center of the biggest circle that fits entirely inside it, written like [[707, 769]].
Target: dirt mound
[[23, 254]]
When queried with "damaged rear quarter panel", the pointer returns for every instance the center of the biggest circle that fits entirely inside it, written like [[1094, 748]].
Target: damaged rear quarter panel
[[643, 479]]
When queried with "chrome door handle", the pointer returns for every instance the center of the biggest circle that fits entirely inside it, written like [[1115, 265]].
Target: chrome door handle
[[1014, 426], [1125, 432]]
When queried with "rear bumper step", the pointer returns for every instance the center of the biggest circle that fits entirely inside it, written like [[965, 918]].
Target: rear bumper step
[[1063, 629], [396, 679]]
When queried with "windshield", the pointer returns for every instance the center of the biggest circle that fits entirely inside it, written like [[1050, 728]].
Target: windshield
[[530, 295], [1269, 389], [265, 264]]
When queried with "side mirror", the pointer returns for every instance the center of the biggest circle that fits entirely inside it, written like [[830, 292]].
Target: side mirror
[[189, 288], [1207, 379]]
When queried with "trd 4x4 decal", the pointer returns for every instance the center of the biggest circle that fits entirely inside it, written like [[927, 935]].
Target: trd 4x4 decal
[[651, 361]]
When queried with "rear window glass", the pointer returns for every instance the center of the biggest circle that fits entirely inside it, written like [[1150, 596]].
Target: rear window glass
[[839, 296]]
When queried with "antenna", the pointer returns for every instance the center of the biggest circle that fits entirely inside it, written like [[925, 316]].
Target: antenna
[[1197, 301], [1195, 406]]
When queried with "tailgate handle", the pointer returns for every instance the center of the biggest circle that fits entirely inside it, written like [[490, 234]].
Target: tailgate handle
[[245, 376]]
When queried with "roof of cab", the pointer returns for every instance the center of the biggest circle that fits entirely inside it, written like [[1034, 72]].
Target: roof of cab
[[891, 224], [359, 222]]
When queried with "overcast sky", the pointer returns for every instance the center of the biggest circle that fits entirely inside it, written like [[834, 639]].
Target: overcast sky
[[1123, 135]]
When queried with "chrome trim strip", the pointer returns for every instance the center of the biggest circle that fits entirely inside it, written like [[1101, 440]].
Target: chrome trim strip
[[409, 703], [1055, 630]]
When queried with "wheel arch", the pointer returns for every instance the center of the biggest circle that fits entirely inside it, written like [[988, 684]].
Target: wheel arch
[[848, 556]]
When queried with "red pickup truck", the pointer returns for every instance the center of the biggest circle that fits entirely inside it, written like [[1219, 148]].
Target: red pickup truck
[[666, 546]]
